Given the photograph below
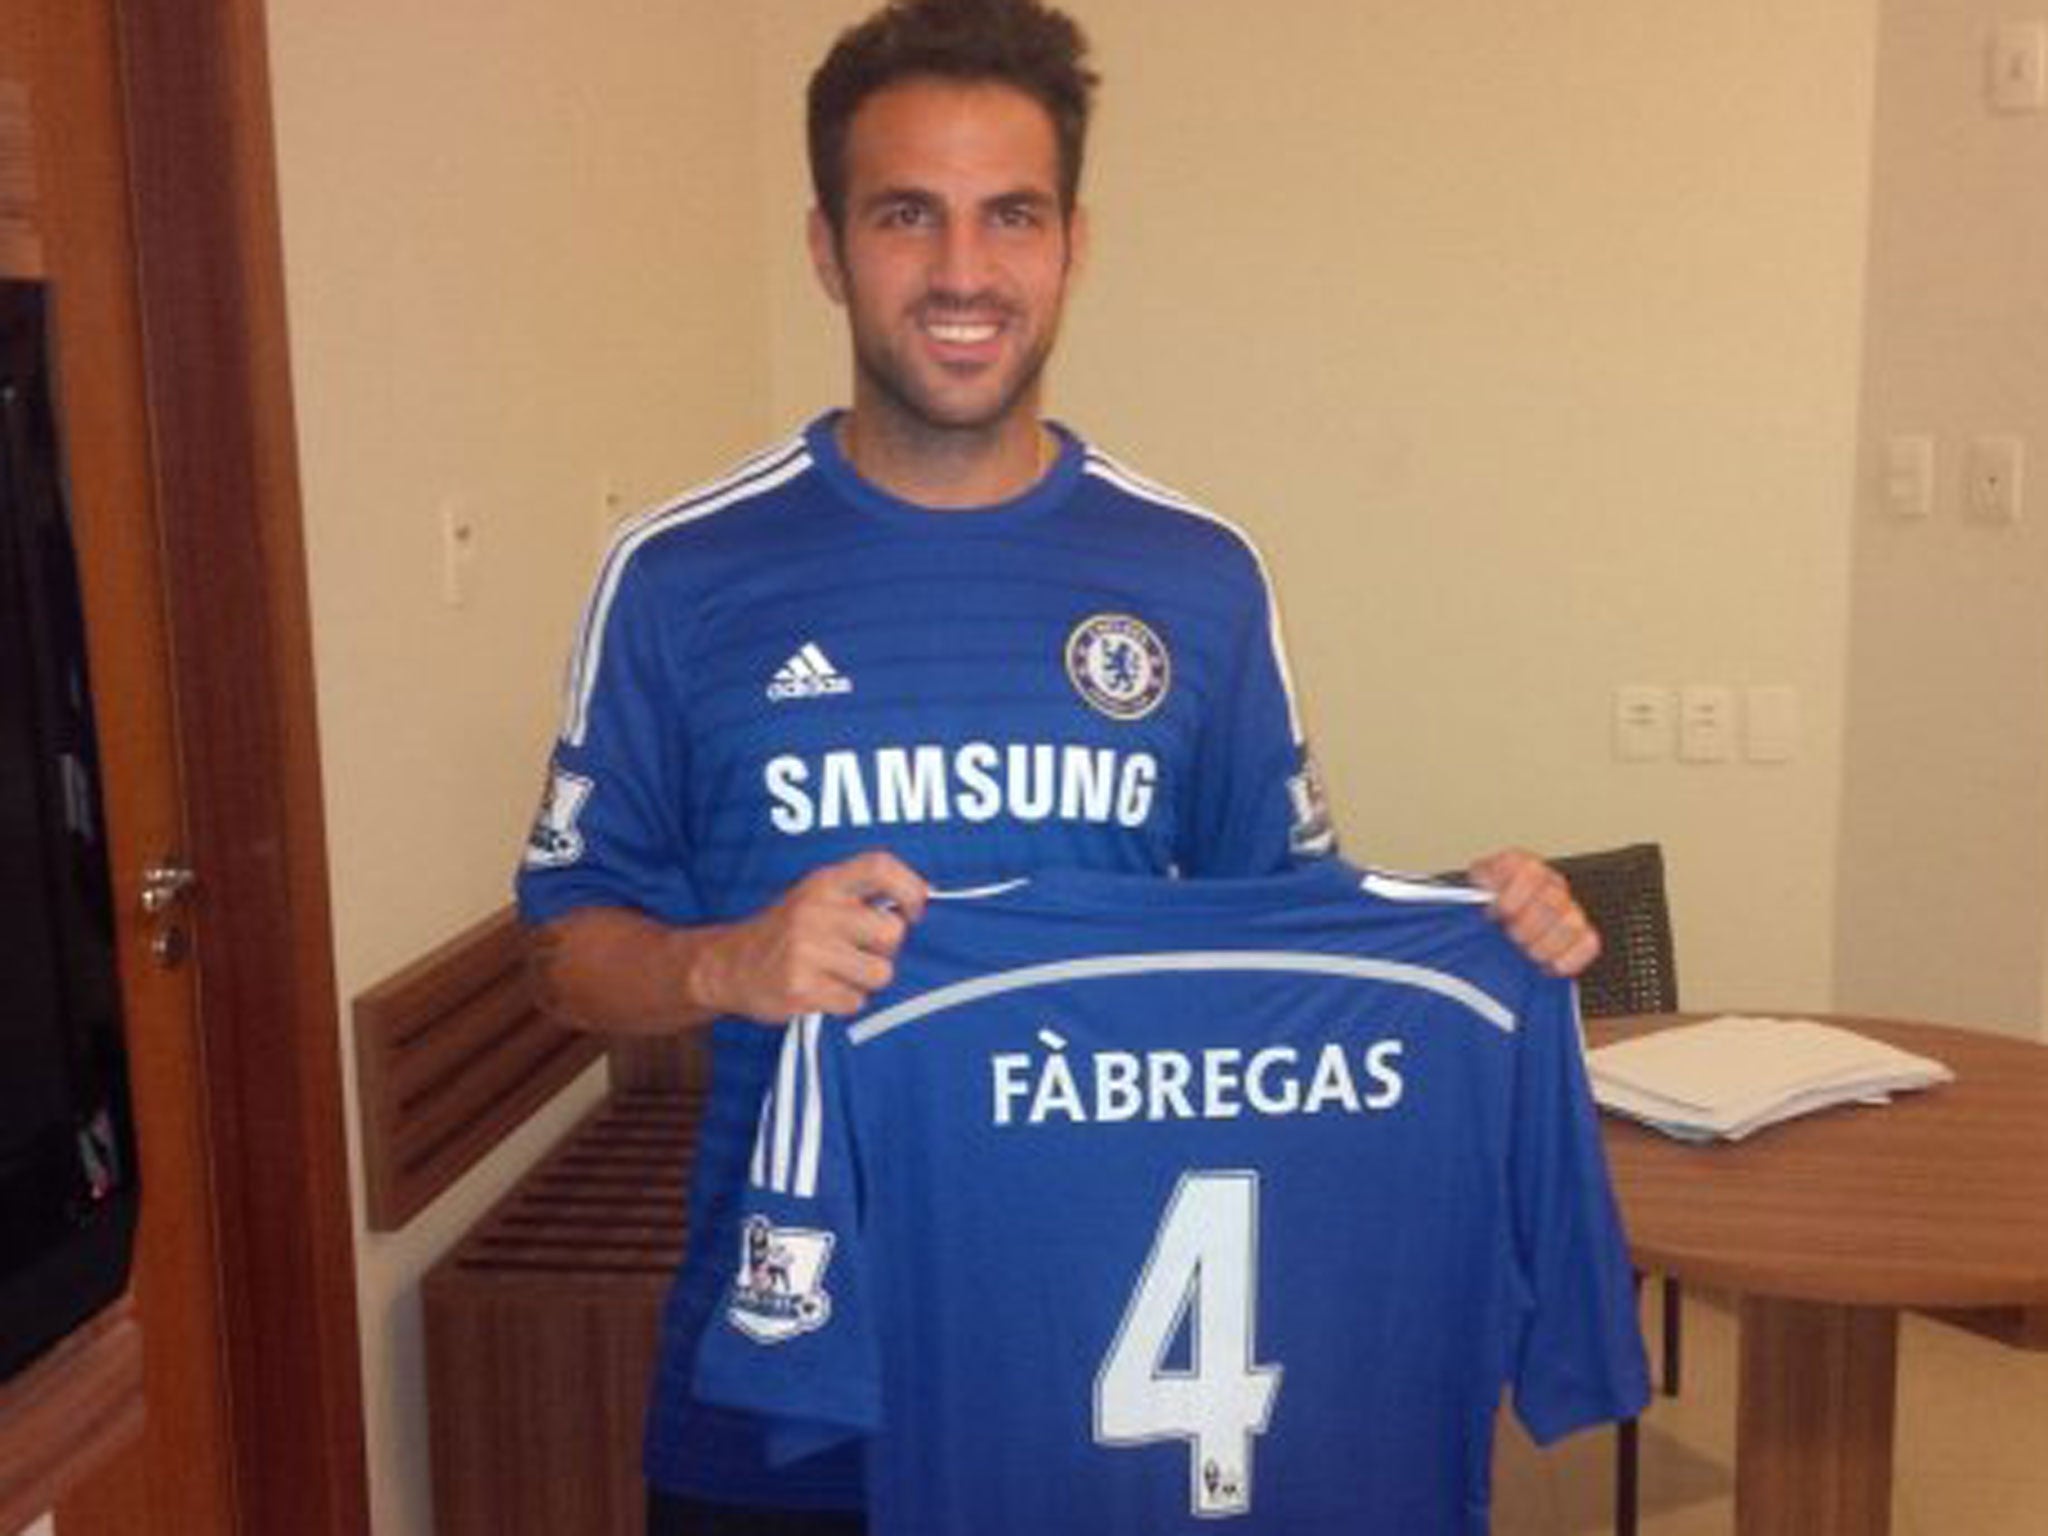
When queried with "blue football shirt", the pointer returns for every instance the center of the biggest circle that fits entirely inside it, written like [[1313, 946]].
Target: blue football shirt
[[788, 667], [1138, 1203]]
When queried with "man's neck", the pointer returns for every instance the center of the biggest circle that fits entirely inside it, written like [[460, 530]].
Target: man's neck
[[947, 469]]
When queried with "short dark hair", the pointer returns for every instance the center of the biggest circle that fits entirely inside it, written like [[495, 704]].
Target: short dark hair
[[1024, 44]]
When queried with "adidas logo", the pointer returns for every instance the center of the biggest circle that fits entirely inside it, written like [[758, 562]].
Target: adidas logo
[[809, 674]]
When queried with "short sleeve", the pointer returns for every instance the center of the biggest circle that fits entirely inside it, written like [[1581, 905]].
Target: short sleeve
[[1257, 805], [794, 1336], [1579, 1356], [609, 830]]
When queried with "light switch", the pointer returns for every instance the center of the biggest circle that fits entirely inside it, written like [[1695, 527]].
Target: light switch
[[1770, 721], [1706, 723], [1909, 475], [1642, 723]]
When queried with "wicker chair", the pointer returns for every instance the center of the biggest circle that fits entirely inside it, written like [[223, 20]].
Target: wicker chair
[[1622, 891]]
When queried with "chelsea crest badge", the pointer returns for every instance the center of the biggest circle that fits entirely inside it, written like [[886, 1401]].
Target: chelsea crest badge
[[1118, 665]]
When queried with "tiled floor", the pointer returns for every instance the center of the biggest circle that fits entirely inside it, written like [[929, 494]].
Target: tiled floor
[[1971, 1456]]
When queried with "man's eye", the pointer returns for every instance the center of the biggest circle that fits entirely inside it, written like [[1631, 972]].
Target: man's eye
[[905, 216], [1018, 216]]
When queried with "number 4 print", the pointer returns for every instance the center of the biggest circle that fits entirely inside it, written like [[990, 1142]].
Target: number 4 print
[[1202, 1278]]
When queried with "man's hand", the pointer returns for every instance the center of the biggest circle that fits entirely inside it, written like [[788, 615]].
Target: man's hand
[[1535, 905], [829, 943]]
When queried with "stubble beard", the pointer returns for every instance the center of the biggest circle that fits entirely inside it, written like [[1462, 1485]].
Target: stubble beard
[[916, 411]]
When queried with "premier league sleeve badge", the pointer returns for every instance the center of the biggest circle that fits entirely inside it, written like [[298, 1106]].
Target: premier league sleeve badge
[[780, 1289]]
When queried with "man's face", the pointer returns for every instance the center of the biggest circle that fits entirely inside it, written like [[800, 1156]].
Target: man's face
[[953, 261]]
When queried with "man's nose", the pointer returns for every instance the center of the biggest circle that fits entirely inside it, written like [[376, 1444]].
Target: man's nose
[[960, 263]]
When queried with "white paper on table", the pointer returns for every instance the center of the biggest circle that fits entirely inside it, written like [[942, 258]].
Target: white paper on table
[[1728, 1076]]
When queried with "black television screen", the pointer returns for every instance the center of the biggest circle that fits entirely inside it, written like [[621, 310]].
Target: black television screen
[[67, 1180]]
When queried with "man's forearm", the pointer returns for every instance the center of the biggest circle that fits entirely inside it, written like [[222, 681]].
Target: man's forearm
[[620, 971]]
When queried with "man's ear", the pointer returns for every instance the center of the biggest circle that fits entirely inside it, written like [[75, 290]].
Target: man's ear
[[824, 243], [1078, 238]]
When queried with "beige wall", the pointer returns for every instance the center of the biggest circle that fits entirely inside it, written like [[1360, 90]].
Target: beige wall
[[1944, 908], [521, 271], [1529, 356], [1533, 362]]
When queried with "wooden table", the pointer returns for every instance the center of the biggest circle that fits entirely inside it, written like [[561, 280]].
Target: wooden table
[[1824, 1227]]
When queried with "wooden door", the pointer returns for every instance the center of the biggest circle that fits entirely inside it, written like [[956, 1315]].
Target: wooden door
[[152, 217], [74, 233]]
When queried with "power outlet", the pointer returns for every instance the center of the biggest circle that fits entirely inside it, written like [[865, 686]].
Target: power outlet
[[1992, 479], [2019, 67]]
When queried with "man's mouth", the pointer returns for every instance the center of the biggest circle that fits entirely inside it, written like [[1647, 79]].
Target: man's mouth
[[962, 333]]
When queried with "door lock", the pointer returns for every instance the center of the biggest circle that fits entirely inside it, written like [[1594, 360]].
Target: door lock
[[164, 885]]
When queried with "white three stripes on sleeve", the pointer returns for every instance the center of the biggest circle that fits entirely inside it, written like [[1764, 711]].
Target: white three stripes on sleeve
[[790, 1135], [757, 476]]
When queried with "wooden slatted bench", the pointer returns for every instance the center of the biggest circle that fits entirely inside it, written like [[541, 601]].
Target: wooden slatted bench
[[541, 1327], [541, 1322]]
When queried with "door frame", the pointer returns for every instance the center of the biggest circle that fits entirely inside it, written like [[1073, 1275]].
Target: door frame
[[209, 260]]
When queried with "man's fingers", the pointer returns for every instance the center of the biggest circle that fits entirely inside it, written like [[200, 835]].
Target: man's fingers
[[1580, 954], [1537, 909], [835, 947], [876, 930], [827, 996], [1556, 935], [1514, 877], [881, 878], [864, 973]]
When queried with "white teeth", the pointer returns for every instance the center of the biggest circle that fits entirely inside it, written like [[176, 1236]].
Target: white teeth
[[960, 333]]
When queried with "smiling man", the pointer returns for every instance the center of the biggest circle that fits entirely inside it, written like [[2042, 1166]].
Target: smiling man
[[931, 637], [951, 247]]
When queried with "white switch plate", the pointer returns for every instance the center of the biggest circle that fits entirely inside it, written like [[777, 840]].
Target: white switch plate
[[2019, 66], [1909, 475], [1770, 721], [1706, 723], [1642, 723], [1992, 478]]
